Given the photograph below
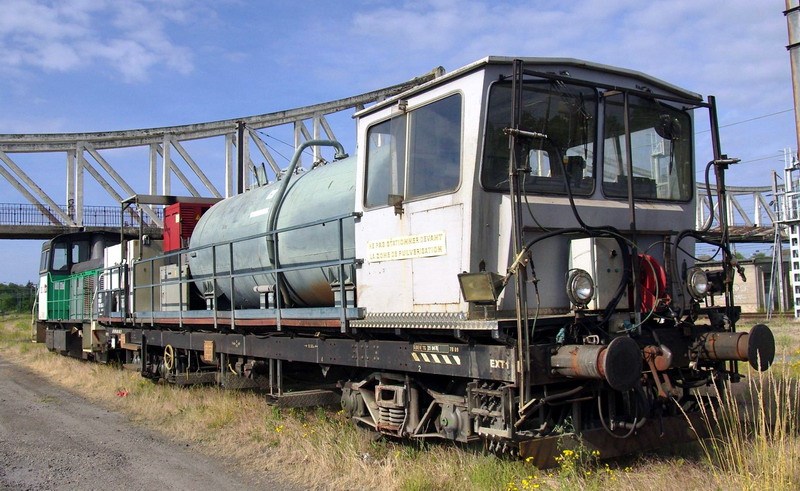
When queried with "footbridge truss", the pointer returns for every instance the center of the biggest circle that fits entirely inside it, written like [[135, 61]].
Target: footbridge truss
[[753, 212], [98, 156]]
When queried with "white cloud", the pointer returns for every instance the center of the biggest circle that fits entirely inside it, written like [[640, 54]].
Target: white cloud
[[734, 49], [689, 41], [58, 56], [131, 36]]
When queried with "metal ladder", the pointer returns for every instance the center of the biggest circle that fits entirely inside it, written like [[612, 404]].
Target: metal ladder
[[794, 249]]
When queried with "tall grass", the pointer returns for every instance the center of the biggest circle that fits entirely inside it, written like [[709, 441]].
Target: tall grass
[[755, 434], [15, 331]]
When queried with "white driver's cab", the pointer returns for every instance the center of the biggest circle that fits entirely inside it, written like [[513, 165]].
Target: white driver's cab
[[432, 178]]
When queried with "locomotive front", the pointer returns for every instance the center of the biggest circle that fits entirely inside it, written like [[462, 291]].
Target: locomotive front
[[642, 327], [572, 226]]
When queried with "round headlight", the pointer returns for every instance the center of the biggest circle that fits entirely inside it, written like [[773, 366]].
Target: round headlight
[[697, 282], [580, 287]]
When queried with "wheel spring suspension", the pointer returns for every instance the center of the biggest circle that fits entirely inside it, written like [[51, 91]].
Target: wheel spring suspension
[[391, 402], [391, 417]]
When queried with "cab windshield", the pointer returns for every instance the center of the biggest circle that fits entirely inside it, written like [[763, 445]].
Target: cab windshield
[[566, 114], [661, 149]]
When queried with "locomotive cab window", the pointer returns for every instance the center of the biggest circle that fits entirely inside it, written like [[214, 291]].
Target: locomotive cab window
[[566, 114], [45, 256], [80, 251], [415, 154], [60, 257], [661, 149], [386, 150]]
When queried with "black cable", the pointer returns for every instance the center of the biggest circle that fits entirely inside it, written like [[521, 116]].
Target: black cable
[[528, 205], [697, 259], [605, 425], [584, 228], [306, 152], [700, 234], [597, 232], [707, 227], [748, 120], [702, 238]]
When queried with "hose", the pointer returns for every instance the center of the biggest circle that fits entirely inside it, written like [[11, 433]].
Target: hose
[[633, 426]]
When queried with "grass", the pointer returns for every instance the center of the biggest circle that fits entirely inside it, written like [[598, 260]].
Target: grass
[[754, 439], [755, 436], [320, 448]]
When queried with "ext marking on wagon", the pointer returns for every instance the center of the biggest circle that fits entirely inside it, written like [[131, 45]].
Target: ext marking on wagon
[[442, 354]]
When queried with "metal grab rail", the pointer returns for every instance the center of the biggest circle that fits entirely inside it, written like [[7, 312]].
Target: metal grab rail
[[112, 298]]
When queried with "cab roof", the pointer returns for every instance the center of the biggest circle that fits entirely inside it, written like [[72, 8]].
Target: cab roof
[[533, 62]]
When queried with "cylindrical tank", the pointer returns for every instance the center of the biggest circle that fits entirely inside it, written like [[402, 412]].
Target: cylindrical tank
[[322, 193]]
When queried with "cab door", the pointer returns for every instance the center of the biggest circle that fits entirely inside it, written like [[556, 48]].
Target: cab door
[[411, 230], [42, 290]]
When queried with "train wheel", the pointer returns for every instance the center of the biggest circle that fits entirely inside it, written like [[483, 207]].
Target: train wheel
[[169, 358]]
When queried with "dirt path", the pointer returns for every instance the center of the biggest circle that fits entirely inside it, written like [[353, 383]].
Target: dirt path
[[51, 438]]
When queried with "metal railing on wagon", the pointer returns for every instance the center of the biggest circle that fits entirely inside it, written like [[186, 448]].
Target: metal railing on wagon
[[119, 292]]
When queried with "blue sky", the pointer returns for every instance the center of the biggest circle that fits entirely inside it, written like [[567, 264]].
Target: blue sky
[[93, 65]]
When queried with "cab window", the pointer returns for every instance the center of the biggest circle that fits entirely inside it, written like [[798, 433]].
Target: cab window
[[434, 148], [661, 149], [566, 114], [80, 251], [43, 261], [60, 257], [386, 150], [415, 154]]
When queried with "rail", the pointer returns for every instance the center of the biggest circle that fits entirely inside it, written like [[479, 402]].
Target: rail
[[93, 216], [120, 293]]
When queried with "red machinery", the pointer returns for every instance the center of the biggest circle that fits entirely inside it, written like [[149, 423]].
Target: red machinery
[[179, 222]]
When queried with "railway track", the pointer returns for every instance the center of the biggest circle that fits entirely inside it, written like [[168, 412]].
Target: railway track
[[751, 316]]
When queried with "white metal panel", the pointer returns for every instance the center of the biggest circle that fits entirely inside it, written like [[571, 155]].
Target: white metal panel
[[383, 286], [43, 297], [601, 258], [434, 279]]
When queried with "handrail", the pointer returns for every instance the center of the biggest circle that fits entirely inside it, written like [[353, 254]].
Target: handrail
[[231, 275], [93, 216]]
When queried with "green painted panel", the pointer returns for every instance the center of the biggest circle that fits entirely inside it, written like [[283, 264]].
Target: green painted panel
[[57, 297], [70, 297]]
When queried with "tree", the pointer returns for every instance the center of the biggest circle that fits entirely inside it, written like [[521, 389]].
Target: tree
[[17, 298]]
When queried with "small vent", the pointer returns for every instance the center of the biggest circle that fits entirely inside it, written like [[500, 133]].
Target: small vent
[[88, 293]]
